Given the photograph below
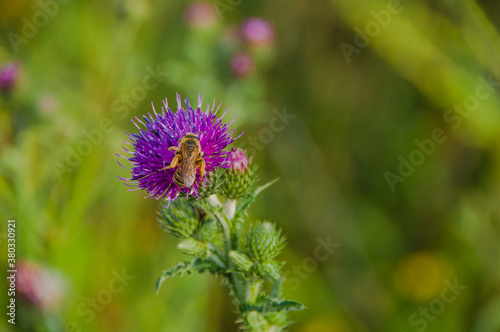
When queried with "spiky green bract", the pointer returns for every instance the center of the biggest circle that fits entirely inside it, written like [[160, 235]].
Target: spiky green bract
[[192, 246], [270, 270], [179, 218], [238, 183], [241, 260], [263, 241]]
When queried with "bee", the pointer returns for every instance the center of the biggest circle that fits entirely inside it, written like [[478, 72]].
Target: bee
[[189, 158]]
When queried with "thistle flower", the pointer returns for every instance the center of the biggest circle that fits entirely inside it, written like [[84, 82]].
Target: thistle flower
[[242, 64], [258, 32], [201, 14], [153, 148], [41, 287], [9, 74]]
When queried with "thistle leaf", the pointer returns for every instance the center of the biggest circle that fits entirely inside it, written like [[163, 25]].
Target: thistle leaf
[[186, 268], [270, 305], [265, 186], [249, 199]]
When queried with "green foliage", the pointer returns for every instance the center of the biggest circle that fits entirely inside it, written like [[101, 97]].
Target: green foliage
[[214, 235], [265, 304], [186, 268]]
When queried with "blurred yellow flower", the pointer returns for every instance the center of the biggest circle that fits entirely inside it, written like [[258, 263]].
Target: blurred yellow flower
[[420, 276]]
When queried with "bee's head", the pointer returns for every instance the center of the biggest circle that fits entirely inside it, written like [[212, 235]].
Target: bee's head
[[190, 141]]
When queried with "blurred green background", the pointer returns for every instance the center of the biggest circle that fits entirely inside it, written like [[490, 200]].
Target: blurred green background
[[366, 85]]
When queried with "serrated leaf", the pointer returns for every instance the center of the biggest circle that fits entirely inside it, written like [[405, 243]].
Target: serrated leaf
[[270, 305], [198, 265]]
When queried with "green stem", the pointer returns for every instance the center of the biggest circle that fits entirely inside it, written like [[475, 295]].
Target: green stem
[[232, 278], [230, 208]]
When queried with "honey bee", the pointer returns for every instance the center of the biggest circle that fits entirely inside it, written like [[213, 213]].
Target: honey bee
[[188, 157]]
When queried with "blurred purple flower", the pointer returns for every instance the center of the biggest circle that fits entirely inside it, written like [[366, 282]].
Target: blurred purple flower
[[258, 32], [238, 160], [201, 14], [151, 147], [39, 286], [9, 74], [242, 64]]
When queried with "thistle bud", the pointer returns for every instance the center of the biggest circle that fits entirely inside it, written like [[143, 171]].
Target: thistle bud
[[263, 242], [238, 160], [239, 177], [180, 219]]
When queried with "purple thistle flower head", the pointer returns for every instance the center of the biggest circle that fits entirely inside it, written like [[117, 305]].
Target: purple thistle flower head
[[165, 137], [238, 160], [9, 74]]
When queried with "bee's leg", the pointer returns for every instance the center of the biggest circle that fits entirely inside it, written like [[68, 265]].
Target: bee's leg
[[177, 161], [200, 162], [174, 148]]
